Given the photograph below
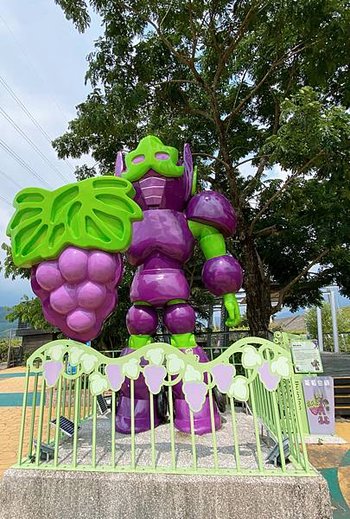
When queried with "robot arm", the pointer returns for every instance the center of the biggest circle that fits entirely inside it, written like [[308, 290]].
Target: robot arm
[[211, 218]]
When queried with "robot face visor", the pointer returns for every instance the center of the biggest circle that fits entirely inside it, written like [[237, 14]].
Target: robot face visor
[[152, 154]]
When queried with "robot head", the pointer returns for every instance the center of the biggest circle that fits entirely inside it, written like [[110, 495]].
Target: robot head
[[159, 177], [150, 155]]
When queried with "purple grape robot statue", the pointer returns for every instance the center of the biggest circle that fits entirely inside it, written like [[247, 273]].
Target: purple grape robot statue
[[72, 239], [161, 244]]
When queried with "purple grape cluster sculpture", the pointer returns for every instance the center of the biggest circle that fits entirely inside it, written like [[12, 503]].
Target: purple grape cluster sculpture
[[78, 290]]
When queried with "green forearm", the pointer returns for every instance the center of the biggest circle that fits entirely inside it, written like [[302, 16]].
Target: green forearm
[[210, 240], [212, 243]]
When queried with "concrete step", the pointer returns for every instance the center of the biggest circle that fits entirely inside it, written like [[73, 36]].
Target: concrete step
[[57, 494]]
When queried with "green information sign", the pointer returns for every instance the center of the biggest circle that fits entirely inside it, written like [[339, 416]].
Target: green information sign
[[306, 357]]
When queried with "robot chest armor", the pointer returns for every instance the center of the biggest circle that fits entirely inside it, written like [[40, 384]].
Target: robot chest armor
[[162, 231]]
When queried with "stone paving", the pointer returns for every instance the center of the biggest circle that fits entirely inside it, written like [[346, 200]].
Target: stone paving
[[10, 417]]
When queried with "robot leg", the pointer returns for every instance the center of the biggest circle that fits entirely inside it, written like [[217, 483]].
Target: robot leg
[[179, 318], [142, 323]]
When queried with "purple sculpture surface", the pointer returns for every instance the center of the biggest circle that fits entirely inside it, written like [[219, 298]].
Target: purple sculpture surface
[[78, 290], [161, 244]]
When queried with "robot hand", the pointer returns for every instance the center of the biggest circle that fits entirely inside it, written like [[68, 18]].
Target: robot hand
[[231, 305]]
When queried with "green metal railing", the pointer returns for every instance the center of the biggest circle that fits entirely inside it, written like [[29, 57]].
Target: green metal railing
[[69, 377]]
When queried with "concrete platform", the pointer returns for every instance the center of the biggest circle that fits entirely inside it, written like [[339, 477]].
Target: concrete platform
[[183, 448], [37, 494]]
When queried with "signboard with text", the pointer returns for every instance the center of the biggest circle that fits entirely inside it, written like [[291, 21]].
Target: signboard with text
[[319, 401], [306, 357]]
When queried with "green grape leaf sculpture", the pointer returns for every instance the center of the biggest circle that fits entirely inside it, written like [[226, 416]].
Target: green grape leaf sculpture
[[96, 213]]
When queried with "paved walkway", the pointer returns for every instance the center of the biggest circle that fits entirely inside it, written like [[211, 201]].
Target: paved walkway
[[11, 385], [333, 461]]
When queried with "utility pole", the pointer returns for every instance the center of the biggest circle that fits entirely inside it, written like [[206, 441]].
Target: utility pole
[[9, 349], [334, 319], [319, 327]]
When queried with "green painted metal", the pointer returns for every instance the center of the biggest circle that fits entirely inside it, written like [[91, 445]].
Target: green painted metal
[[132, 398], [211, 241], [235, 435], [32, 421], [49, 416], [113, 404], [94, 431], [193, 442], [148, 148], [76, 422], [80, 214], [275, 409], [57, 429], [213, 431], [23, 418], [153, 436], [40, 425], [256, 429]]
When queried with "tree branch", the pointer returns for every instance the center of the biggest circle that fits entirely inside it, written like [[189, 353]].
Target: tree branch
[[197, 111], [247, 160], [268, 231], [213, 158], [296, 50], [254, 181], [264, 158], [180, 81], [233, 44], [283, 188], [182, 58], [284, 291]]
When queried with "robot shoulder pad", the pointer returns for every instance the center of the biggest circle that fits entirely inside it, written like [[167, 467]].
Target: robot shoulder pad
[[212, 208]]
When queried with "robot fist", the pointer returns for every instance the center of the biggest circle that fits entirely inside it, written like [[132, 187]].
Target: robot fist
[[231, 305]]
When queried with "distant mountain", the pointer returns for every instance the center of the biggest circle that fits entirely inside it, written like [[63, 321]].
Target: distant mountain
[[4, 324], [341, 302]]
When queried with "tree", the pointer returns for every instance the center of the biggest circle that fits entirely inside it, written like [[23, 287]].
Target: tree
[[29, 311], [343, 322], [261, 82]]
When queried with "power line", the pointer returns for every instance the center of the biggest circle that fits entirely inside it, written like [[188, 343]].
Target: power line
[[31, 143], [25, 110], [22, 163], [5, 200], [30, 62], [28, 113], [6, 175]]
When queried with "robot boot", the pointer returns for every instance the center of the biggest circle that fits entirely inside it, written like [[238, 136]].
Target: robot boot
[[202, 420], [180, 321], [142, 397]]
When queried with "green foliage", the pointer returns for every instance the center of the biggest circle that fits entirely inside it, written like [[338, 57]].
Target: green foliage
[[343, 322], [8, 267], [93, 213], [4, 346], [4, 324], [29, 311]]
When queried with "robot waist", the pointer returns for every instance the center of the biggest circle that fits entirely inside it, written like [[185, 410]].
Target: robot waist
[[160, 261], [158, 287]]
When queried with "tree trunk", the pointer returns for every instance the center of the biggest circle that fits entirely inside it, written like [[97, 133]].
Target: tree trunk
[[257, 287]]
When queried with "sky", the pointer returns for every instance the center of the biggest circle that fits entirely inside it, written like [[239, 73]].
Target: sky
[[43, 62]]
